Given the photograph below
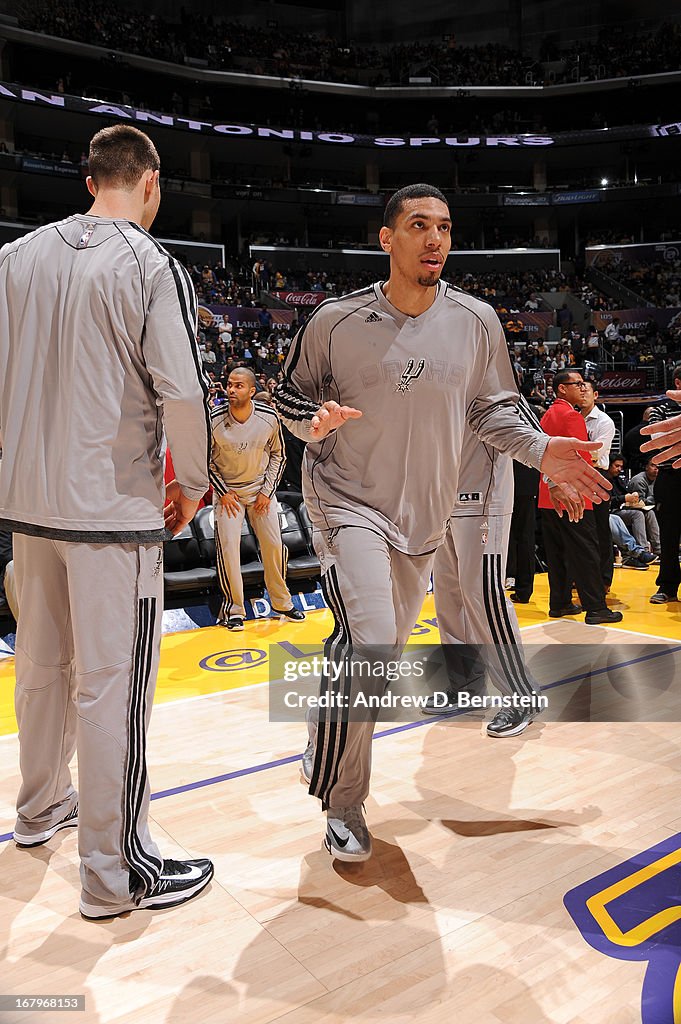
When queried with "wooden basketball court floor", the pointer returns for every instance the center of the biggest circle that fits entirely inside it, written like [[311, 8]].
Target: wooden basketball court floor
[[460, 914]]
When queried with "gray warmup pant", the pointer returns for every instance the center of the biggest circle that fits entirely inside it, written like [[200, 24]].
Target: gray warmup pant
[[228, 554], [375, 593], [87, 652], [470, 603]]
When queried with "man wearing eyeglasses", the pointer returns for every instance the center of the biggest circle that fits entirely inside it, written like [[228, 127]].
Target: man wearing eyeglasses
[[572, 552]]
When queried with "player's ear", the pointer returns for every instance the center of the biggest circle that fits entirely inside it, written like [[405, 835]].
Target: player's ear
[[150, 182], [385, 236], [91, 187]]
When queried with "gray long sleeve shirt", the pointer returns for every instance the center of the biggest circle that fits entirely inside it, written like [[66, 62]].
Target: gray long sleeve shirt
[[98, 357], [418, 381], [249, 457]]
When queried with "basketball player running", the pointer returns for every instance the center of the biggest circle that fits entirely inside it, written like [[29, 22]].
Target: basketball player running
[[110, 319], [400, 366], [246, 465]]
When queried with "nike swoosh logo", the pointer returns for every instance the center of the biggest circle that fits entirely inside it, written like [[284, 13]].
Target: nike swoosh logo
[[341, 842], [190, 875]]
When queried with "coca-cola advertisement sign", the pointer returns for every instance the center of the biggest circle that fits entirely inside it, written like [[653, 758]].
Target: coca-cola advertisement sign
[[622, 380], [301, 298]]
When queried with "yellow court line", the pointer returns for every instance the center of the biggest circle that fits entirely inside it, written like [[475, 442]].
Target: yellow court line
[[652, 925]]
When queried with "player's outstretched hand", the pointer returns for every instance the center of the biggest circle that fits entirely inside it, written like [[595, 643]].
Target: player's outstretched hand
[[330, 417], [669, 439], [562, 502], [563, 464], [179, 509]]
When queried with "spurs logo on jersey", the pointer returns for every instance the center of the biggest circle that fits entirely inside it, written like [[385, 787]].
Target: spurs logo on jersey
[[411, 372], [238, 446]]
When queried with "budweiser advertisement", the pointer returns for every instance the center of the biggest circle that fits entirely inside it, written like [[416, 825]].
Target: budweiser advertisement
[[301, 298], [622, 380]]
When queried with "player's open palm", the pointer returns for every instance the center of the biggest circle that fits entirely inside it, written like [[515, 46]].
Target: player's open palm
[[563, 464], [330, 417]]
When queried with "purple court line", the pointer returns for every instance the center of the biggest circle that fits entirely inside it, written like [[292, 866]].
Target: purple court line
[[292, 758]]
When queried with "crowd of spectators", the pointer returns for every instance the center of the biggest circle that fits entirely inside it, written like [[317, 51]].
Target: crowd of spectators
[[658, 283], [230, 45], [242, 282]]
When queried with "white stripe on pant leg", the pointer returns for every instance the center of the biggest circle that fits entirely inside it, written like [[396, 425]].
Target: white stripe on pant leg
[[512, 662], [321, 737], [327, 760], [147, 611], [346, 691], [491, 585], [223, 578], [144, 864], [514, 647], [487, 588], [339, 645]]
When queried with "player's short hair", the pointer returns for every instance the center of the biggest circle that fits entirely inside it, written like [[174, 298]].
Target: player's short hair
[[396, 202], [119, 156], [246, 372], [676, 372], [563, 377], [616, 457]]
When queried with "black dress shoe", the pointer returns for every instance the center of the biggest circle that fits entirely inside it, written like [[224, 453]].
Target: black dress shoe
[[519, 600], [572, 609], [601, 616]]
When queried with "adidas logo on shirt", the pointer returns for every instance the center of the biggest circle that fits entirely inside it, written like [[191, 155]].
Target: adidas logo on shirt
[[373, 318]]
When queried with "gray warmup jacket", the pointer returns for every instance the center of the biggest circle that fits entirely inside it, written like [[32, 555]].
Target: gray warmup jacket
[[418, 381], [98, 357]]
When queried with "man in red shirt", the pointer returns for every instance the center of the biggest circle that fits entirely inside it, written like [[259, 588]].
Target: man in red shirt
[[572, 553]]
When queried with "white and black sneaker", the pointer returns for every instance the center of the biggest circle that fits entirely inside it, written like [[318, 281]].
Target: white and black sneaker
[[235, 623], [294, 614], [306, 763], [511, 721], [347, 836], [437, 707], [38, 838], [179, 882]]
